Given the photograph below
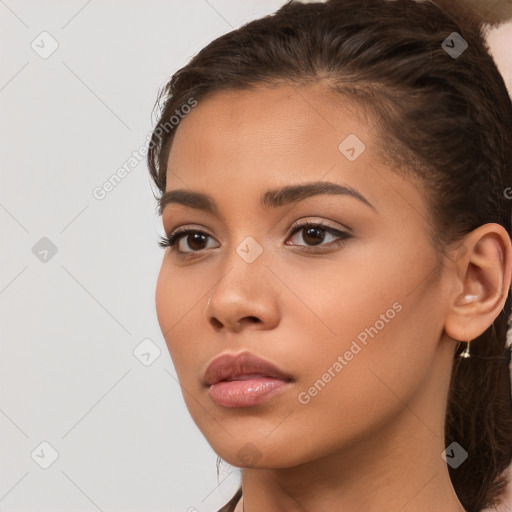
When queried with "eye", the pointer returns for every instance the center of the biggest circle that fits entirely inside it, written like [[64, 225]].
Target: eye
[[313, 233], [193, 236]]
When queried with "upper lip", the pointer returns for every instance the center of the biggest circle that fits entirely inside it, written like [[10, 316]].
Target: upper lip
[[231, 366]]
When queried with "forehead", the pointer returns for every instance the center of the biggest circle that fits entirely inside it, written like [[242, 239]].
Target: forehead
[[267, 128], [236, 142]]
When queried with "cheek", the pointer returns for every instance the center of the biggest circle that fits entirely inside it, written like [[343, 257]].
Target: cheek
[[172, 305], [363, 327], [336, 300], [163, 300], [178, 301], [177, 294]]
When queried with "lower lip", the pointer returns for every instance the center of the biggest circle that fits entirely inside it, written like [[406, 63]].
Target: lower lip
[[246, 393]]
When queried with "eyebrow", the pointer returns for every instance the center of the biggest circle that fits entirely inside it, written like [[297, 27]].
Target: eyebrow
[[270, 199]]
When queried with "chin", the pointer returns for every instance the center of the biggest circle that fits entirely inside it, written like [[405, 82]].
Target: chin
[[252, 452]]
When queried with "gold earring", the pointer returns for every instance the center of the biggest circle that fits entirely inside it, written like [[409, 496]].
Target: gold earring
[[466, 353]]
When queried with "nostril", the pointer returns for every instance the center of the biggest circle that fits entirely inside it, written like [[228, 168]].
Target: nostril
[[216, 323]]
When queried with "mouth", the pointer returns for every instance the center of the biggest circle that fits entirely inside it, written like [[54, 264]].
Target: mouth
[[244, 380], [249, 376], [246, 391]]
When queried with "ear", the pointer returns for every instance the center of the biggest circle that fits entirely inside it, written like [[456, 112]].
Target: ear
[[482, 276]]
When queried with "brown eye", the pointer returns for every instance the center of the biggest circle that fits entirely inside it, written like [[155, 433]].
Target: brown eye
[[194, 240], [313, 234], [182, 238]]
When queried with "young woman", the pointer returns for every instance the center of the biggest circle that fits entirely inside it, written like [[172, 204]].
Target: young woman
[[336, 190]]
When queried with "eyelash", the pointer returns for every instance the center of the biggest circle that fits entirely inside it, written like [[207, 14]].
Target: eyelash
[[173, 238]]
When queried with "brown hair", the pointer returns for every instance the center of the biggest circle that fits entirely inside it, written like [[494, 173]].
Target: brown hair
[[443, 117]]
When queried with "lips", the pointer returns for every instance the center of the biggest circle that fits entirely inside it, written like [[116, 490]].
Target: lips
[[243, 366]]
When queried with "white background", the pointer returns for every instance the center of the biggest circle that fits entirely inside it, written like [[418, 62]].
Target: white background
[[70, 324]]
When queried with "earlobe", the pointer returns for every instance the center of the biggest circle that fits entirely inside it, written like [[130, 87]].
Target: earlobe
[[483, 278]]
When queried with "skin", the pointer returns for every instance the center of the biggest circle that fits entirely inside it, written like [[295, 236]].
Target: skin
[[372, 438]]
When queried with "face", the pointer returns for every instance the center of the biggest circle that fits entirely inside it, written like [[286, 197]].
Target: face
[[350, 310]]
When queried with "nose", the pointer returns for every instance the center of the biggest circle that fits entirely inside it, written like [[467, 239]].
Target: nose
[[244, 297]]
